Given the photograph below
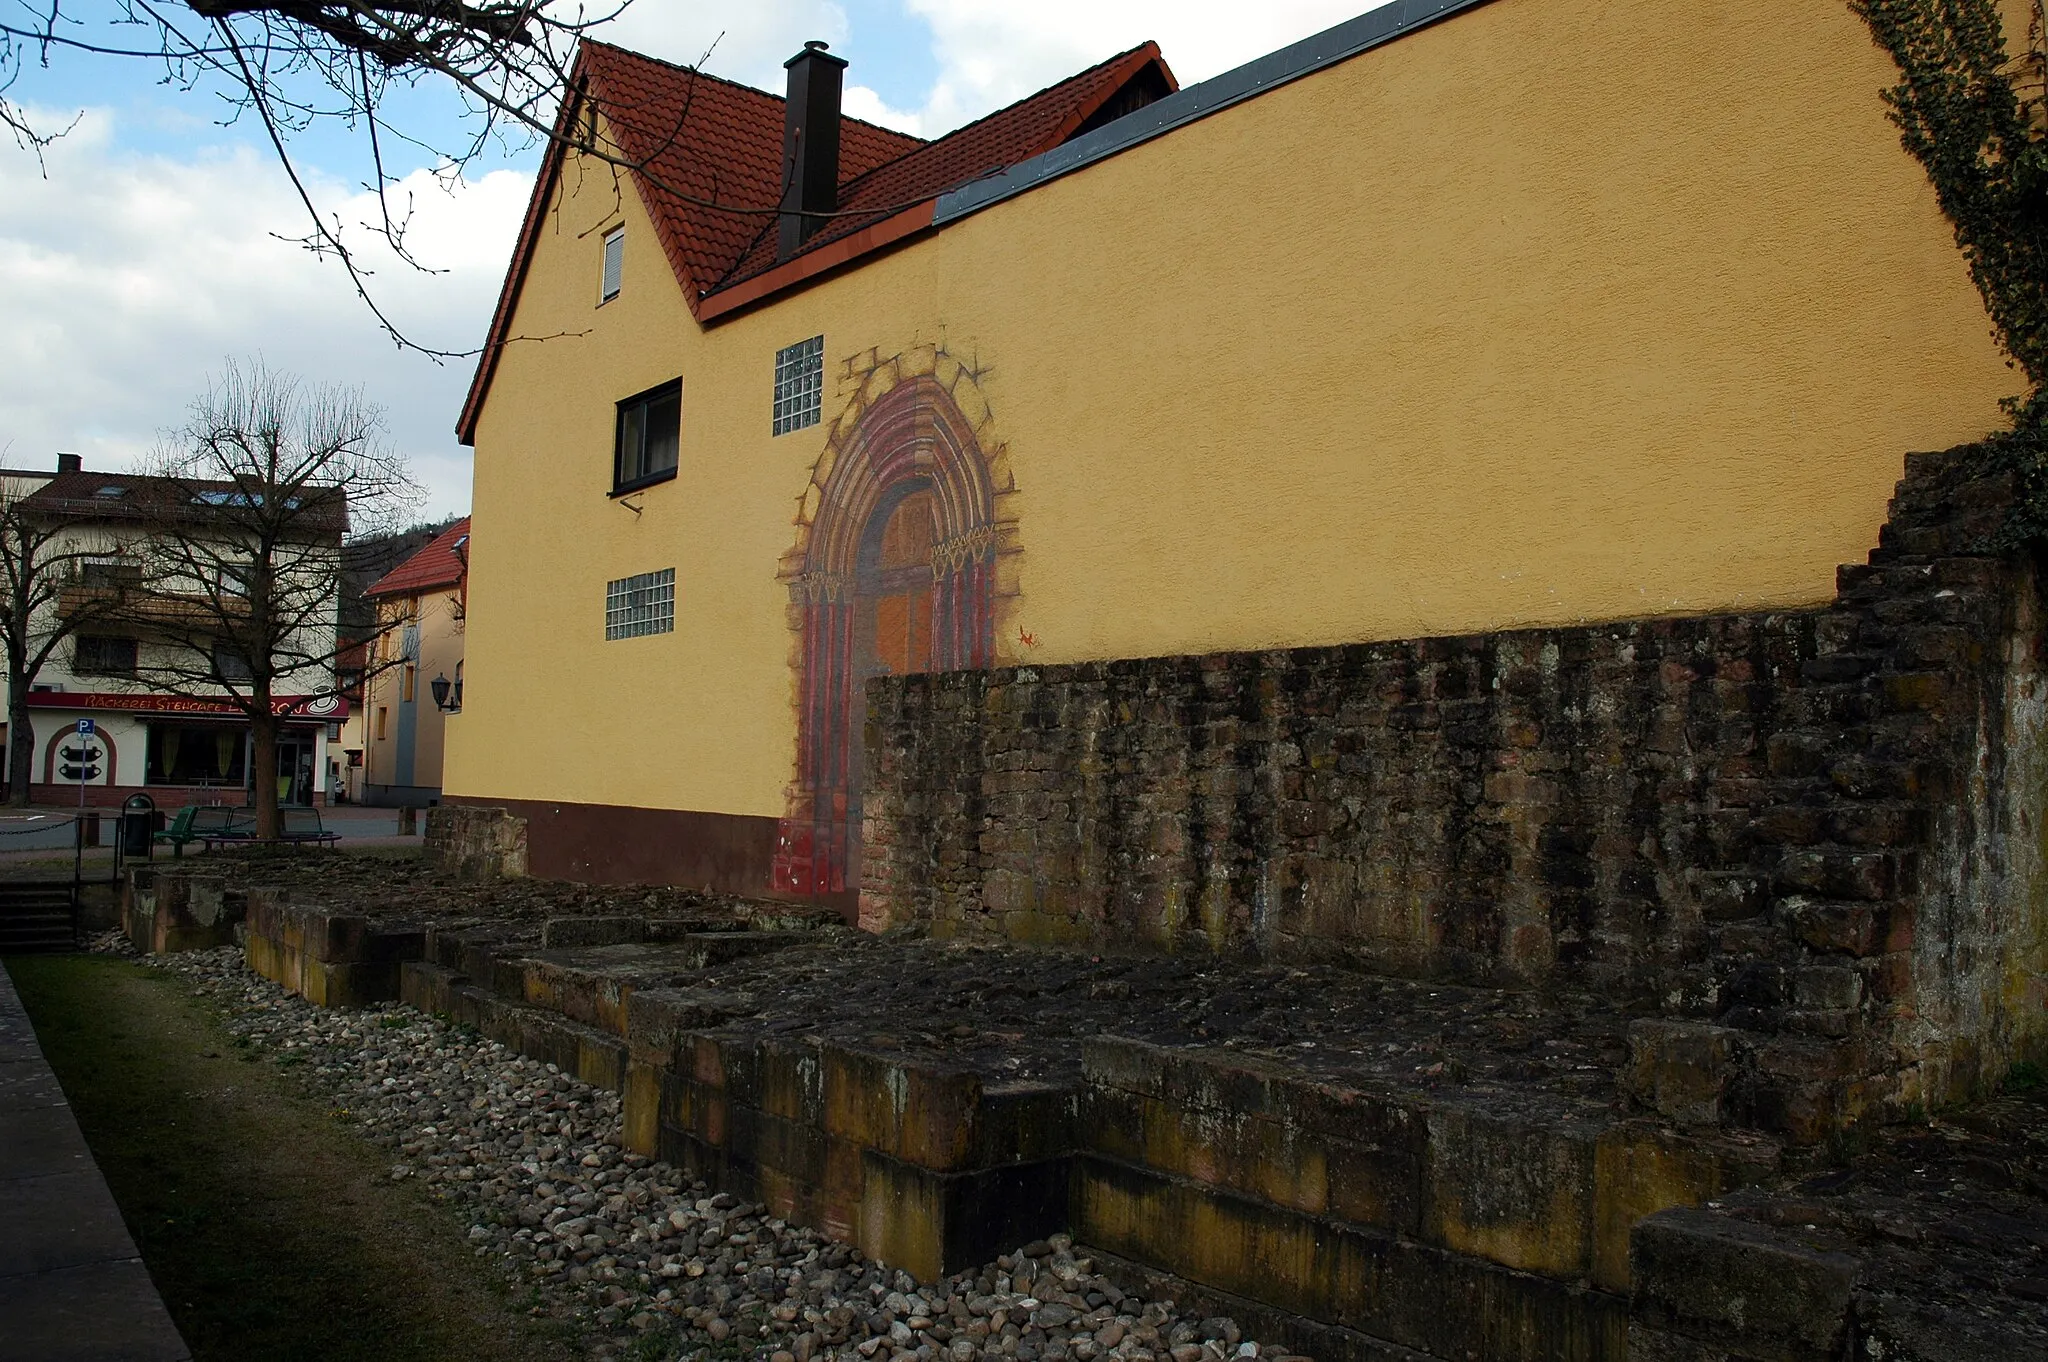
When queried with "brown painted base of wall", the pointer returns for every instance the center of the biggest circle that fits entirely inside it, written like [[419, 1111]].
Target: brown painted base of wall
[[727, 853]]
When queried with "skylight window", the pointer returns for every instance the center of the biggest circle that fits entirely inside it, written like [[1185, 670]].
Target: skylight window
[[234, 498], [111, 491]]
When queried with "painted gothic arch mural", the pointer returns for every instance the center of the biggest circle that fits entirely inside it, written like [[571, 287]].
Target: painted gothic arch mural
[[905, 561]]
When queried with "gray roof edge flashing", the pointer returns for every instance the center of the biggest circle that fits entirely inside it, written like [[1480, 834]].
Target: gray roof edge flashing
[[1374, 28]]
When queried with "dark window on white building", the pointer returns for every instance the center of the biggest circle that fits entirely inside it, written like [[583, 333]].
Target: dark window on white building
[[103, 655]]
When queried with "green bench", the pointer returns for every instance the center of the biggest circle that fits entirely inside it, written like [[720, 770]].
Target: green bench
[[295, 828], [213, 825], [207, 824], [299, 826]]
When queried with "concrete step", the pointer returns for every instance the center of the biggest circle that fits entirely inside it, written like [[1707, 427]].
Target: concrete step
[[587, 1053], [36, 916], [590, 984]]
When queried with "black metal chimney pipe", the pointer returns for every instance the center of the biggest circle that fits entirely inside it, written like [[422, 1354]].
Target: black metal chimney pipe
[[810, 146]]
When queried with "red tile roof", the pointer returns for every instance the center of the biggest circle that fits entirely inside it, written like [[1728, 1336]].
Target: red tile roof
[[707, 141], [1028, 128], [712, 152], [440, 564]]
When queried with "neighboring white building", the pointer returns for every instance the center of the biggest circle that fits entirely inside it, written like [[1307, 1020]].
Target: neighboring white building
[[178, 749]]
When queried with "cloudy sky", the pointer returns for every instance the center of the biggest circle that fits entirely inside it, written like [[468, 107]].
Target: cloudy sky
[[153, 242]]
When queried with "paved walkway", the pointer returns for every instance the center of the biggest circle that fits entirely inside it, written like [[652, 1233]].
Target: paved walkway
[[72, 1287], [43, 836]]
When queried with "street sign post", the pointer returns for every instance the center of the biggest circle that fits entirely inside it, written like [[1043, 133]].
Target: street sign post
[[86, 771]]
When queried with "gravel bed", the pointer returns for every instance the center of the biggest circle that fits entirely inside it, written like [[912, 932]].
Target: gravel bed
[[650, 1263]]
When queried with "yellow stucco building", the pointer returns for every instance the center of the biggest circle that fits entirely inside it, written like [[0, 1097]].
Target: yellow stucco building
[[421, 615], [1457, 317]]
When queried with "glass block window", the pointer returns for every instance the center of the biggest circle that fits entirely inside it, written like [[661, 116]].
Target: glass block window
[[799, 385], [645, 604]]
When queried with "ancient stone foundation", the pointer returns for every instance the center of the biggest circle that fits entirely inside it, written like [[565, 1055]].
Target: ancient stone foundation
[[335, 959], [1522, 997], [1807, 839], [476, 843], [173, 910]]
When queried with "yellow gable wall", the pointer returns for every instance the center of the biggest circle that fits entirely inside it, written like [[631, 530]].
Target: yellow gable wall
[[1559, 311]]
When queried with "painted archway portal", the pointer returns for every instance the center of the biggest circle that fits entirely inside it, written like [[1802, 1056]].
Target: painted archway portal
[[897, 579]]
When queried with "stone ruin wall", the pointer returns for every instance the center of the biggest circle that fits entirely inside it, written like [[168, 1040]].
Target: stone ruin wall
[[476, 843], [1808, 840]]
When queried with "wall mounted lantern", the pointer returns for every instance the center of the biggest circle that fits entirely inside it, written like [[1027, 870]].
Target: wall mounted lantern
[[448, 695]]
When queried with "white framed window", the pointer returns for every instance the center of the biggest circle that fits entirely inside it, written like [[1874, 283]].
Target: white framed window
[[799, 385], [637, 606], [614, 264]]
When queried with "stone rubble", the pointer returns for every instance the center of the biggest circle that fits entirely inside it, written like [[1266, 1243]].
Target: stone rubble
[[650, 1263]]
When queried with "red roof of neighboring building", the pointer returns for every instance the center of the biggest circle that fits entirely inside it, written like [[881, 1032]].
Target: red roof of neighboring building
[[713, 179], [440, 564]]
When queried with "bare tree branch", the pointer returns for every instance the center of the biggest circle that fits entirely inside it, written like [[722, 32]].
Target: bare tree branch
[[294, 64], [244, 517]]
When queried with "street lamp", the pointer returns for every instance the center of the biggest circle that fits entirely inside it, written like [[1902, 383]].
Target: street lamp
[[447, 695]]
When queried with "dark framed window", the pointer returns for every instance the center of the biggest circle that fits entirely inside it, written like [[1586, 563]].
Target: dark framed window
[[103, 655], [110, 573], [799, 385], [614, 265], [196, 754], [641, 605], [229, 663], [650, 427]]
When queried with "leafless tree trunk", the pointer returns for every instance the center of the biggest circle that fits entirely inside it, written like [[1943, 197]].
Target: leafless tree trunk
[[36, 565], [242, 553]]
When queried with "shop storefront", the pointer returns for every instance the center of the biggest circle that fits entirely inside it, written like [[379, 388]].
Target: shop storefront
[[179, 751]]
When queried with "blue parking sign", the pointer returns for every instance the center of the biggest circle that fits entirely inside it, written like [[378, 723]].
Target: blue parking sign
[[85, 726]]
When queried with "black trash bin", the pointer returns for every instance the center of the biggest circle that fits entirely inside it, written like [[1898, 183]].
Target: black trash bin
[[138, 827]]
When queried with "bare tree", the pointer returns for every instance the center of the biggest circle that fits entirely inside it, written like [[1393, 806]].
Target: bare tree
[[288, 65], [43, 566], [242, 547]]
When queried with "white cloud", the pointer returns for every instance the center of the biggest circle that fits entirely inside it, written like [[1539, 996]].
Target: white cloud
[[994, 52], [127, 279], [747, 42], [862, 103], [989, 52]]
